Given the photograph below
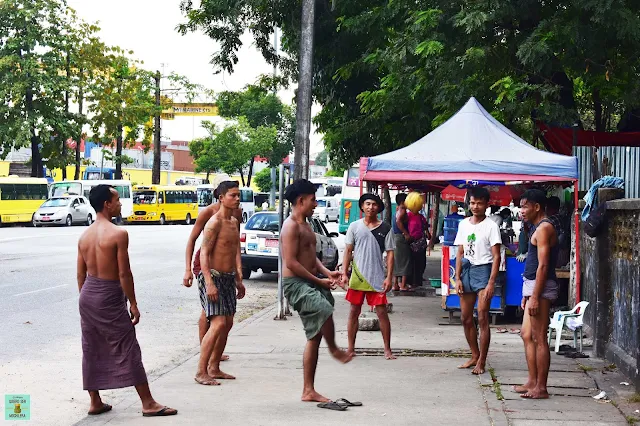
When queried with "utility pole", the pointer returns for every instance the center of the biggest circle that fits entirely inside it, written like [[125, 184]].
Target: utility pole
[[157, 153], [272, 195], [305, 80]]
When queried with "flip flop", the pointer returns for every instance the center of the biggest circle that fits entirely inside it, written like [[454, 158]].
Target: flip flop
[[514, 331], [501, 330], [347, 403], [163, 412], [332, 406], [577, 355], [105, 408]]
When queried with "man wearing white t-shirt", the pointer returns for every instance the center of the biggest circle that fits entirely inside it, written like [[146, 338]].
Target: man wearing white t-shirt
[[477, 266]]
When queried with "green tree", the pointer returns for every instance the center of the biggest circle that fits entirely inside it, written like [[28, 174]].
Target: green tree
[[386, 73], [262, 179], [321, 158], [270, 124], [122, 104], [32, 90]]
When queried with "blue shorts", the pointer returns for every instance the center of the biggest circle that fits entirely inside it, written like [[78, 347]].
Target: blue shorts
[[475, 277]]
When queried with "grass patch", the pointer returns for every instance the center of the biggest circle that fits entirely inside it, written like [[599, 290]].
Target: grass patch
[[610, 367], [496, 385], [631, 420], [585, 368], [615, 404], [634, 398]]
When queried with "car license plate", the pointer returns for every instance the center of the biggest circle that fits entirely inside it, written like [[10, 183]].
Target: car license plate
[[271, 243], [252, 247], [45, 219], [139, 218]]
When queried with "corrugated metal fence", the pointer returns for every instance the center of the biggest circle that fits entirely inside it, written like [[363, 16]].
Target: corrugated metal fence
[[623, 162]]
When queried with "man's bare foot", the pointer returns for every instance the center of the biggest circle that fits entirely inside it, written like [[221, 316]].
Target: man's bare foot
[[535, 394], [479, 368], [313, 396], [158, 410], [206, 380], [471, 363], [224, 358], [342, 356], [389, 355], [219, 374], [522, 389]]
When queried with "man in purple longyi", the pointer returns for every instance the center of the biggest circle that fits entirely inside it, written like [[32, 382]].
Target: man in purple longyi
[[111, 355]]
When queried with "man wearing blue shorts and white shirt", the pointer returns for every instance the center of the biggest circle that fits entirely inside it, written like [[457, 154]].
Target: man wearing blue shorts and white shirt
[[477, 267]]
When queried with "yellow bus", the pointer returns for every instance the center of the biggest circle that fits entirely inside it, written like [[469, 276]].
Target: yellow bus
[[20, 198], [164, 204]]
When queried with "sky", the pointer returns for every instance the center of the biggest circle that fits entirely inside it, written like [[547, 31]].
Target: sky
[[148, 27]]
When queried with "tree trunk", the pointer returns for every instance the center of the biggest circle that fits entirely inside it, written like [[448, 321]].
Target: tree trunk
[[208, 173], [36, 161], [80, 102], [119, 153], [305, 81], [436, 215], [65, 149], [157, 153], [597, 109], [242, 177], [250, 171], [387, 205]]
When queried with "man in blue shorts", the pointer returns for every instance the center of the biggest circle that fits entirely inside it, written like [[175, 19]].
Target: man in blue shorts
[[477, 266]]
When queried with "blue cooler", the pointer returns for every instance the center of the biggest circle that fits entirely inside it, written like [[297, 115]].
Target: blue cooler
[[451, 223]]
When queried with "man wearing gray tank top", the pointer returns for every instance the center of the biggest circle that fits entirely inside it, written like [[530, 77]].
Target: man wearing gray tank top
[[539, 290]]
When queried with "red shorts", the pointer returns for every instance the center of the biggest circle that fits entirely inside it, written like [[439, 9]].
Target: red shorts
[[356, 297]]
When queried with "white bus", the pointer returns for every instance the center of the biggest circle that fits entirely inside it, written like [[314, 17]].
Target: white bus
[[83, 187], [247, 201]]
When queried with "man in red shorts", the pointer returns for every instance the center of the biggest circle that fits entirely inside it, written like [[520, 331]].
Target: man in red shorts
[[366, 242]]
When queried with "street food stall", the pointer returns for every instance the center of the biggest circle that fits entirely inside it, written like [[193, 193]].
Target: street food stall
[[473, 149]]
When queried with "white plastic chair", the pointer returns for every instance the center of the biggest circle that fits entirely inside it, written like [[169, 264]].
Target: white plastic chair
[[559, 321]]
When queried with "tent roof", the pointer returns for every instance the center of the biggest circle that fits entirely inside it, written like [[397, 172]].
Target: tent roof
[[470, 145]]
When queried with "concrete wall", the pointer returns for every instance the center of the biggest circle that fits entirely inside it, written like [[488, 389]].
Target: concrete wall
[[610, 273]]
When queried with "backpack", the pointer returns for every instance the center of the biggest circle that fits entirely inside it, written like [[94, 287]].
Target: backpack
[[594, 223]]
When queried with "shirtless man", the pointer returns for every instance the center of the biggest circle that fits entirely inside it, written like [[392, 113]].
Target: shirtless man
[[221, 275], [111, 354], [309, 294], [539, 290], [187, 281]]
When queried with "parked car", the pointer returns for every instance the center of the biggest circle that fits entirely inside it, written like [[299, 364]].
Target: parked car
[[65, 211], [328, 209], [259, 243]]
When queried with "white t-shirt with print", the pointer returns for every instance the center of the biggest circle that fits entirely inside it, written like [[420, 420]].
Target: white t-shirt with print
[[477, 240]]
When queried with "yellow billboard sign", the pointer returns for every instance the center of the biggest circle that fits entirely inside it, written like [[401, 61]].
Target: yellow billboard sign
[[189, 110]]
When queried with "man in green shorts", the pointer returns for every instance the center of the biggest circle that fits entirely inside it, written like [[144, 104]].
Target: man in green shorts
[[309, 295]]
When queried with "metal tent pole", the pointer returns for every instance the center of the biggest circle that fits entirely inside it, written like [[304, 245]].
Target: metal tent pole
[[281, 315]]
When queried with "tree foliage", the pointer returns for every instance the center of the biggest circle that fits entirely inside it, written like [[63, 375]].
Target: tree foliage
[[321, 158], [262, 179], [387, 72]]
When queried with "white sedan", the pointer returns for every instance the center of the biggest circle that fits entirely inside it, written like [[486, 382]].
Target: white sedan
[[259, 243], [64, 211]]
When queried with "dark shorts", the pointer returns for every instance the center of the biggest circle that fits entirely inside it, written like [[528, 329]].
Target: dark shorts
[[550, 291], [226, 303], [475, 277]]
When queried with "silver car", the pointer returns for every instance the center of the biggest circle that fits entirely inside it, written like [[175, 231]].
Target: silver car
[[65, 211]]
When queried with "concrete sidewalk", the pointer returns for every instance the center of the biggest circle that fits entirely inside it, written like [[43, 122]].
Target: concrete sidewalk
[[422, 387]]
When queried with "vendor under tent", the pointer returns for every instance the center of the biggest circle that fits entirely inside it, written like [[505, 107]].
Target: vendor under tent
[[473, 147]]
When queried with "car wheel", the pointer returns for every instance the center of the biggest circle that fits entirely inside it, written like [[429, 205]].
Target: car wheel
[[163, 220], [69, 221], [89, 220], [244, 218], [246, 273], [326, 219], [188, 219]]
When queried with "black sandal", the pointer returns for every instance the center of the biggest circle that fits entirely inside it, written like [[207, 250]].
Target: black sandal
[[332, 406], [347, 403]]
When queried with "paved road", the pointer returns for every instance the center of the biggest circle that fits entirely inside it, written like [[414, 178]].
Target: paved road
[[40, 352]]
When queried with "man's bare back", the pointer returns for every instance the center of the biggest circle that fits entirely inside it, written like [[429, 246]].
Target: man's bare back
[[301, 236], [225, 248], [101, 247]]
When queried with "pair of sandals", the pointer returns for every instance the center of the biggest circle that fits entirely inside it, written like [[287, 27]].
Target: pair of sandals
[[339, 404], [571, 352]]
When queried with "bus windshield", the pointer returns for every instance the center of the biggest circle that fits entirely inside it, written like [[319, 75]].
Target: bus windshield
[[62, 188], [205, 197], [144, 197], [353, 177]]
